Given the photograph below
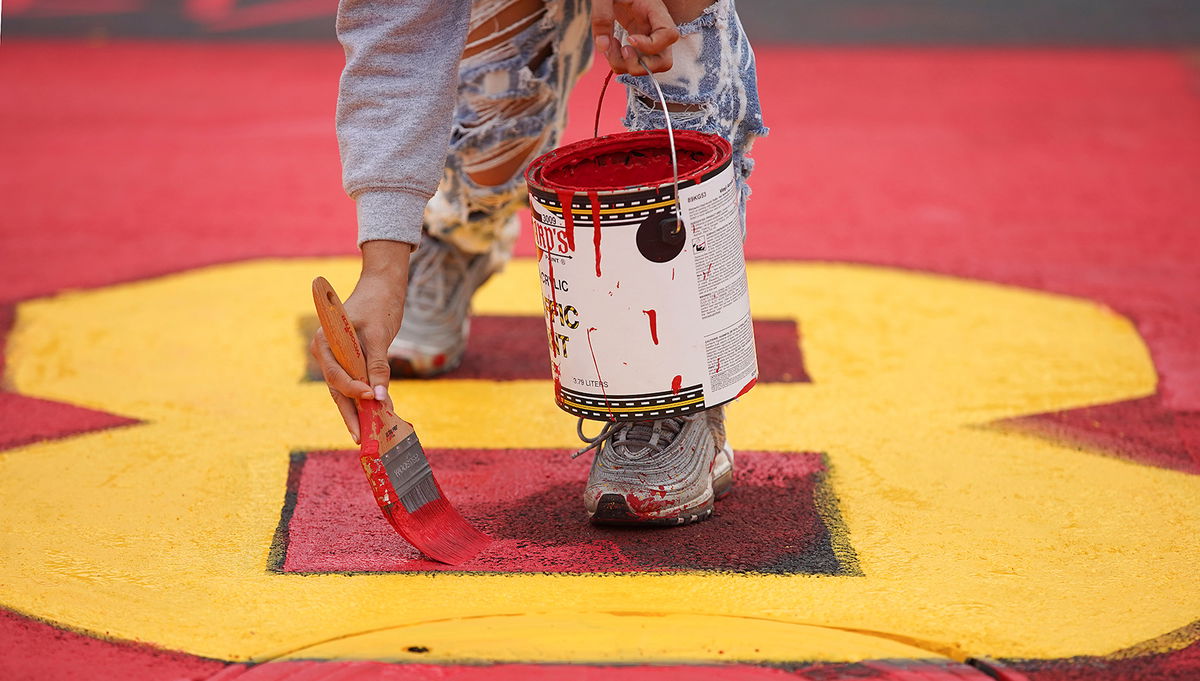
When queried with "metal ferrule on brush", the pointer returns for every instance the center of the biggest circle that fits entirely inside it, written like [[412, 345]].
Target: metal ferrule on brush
[[411, 476]]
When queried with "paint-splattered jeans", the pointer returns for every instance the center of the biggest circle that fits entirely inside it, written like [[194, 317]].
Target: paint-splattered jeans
[[512, 97]]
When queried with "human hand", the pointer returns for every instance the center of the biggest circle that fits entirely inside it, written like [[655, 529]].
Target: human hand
[[651, 33], [375, 308]]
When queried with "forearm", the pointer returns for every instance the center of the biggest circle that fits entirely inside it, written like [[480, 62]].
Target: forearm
[[395, 107]]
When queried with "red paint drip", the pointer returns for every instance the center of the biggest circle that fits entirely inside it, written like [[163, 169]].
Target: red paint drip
[[652, 315], [565, 198], [595, 199], [599, 378], [554, 303], [676, 384]]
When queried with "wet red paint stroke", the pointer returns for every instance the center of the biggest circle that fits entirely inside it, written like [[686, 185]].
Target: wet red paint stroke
[[595, 200], [599, 378], [676, 384], [565, 198], [652, 316]]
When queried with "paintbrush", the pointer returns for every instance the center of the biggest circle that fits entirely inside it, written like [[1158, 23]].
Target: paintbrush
[[391, 455]]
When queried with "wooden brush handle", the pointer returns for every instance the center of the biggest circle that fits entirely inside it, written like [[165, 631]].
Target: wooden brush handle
[[339, 332]]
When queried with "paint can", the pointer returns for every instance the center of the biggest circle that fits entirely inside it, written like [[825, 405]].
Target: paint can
[[645, 298]]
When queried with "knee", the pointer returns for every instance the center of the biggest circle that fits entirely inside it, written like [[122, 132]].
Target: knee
[[495, 147]]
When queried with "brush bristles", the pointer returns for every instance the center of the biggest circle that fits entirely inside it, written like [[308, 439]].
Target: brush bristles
[[439, 531]]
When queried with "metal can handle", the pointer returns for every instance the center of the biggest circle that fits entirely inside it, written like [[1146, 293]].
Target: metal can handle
[[670, 130]]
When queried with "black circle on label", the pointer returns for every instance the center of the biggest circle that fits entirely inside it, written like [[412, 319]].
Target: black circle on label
[[660, 237]]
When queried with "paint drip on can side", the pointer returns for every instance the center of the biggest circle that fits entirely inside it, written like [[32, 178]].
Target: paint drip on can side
[[630, 340]]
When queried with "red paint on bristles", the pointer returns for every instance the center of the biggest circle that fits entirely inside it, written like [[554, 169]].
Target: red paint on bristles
[[439, 531]]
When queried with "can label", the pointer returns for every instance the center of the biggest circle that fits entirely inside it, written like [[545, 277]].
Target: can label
[[647, 315]]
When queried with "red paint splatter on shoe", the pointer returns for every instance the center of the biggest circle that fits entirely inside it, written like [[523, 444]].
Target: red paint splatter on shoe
[[652, 315], [746, 388], [676, 384], [439, 361], [565, 198], [599, 378], [648, 506], [595, 199]]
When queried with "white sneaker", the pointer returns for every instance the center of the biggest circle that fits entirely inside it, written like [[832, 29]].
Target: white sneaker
[[662, 472], [441, 282]]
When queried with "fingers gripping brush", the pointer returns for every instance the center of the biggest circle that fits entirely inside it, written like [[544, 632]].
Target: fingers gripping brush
[[392, 457]]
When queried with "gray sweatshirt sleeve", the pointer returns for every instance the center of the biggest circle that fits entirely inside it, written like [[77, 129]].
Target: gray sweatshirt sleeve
[[395, 107]]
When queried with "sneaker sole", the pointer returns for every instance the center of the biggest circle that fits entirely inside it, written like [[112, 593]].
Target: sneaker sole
[[613, 509]]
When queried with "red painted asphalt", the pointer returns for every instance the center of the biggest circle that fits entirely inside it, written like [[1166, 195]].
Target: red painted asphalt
[[531, 511], [1066, 171]]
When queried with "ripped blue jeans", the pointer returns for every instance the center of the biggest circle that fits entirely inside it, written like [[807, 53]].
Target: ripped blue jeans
[[511, 105]]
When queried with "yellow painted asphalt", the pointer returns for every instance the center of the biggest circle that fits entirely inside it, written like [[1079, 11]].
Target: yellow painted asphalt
[[971, 541]]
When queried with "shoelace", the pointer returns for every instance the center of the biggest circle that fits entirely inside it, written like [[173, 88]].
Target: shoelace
[[652, 437]]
